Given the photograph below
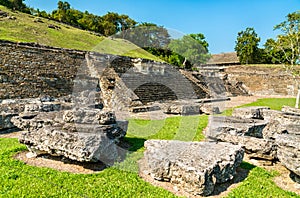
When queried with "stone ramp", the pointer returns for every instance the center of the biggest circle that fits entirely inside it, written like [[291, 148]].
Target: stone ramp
[[195, 167]]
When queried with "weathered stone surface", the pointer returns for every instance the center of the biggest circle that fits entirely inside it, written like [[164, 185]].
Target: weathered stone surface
[[249, 112], [274, 127], [182, 108], [246, 132], [5, 121], [42, 107], [193, 166], [147, 108], [89, 116], [282, 117], [292, 129], [264, 81], [235, 126], [254, 147], [9, 109], [209, 110], [82, 135], [291, 110], [289, 151]]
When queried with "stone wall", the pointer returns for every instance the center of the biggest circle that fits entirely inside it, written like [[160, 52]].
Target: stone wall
[[29, 70], [263, 80]]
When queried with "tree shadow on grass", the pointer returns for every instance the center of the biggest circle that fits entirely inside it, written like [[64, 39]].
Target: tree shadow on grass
[[132, 143], [242, 173]]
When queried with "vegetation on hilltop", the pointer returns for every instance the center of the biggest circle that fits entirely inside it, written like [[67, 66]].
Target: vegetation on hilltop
[[26, 28], [184, 52]]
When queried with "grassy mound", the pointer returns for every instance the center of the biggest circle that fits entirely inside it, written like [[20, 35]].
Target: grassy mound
[[20, 27]]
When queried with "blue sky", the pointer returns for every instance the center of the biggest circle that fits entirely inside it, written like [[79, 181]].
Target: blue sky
[[218, 20]]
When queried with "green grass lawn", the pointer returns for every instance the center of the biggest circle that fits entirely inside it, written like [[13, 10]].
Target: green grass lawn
[[273, 103], [24, 29], [20, 180]]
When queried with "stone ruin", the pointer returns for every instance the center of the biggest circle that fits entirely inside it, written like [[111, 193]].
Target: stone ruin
[[84, 128], [193, 167], [57, 127], [264, 134], [197, 167]]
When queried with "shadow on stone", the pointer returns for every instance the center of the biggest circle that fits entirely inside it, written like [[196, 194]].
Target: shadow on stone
[[241, 174], [295, 177], [7, 131]]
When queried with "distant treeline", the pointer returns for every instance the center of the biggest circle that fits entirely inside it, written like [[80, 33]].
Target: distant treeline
[[106, 25], [184, 52]]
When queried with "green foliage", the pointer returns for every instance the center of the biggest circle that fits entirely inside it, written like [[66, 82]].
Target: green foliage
[[147, 35], [187, 128], [15, 5], [273, 103], [184, 52], [167, 56], [274, 55], [247, 46], [109, 24], [288, 43], [192, 47]]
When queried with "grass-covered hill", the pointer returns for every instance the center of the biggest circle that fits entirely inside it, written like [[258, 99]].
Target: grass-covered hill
[[21, 27]]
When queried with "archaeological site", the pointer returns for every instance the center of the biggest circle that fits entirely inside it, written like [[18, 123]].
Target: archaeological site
[[78, 105]]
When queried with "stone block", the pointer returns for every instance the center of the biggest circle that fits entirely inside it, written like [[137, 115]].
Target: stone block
[[83, 135], [235, 126], [195, 167], [283, 117], [289, 151], [249, 112], [182, 108]]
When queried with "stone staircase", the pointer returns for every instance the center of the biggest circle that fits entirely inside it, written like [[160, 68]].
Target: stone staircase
[[171, 85]]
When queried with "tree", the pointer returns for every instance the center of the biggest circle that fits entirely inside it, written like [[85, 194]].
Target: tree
[[288, 43], [147, 35], [61, 13], [15, 5], [6, 3], [192, 47], [273, 54], [247, 46]]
